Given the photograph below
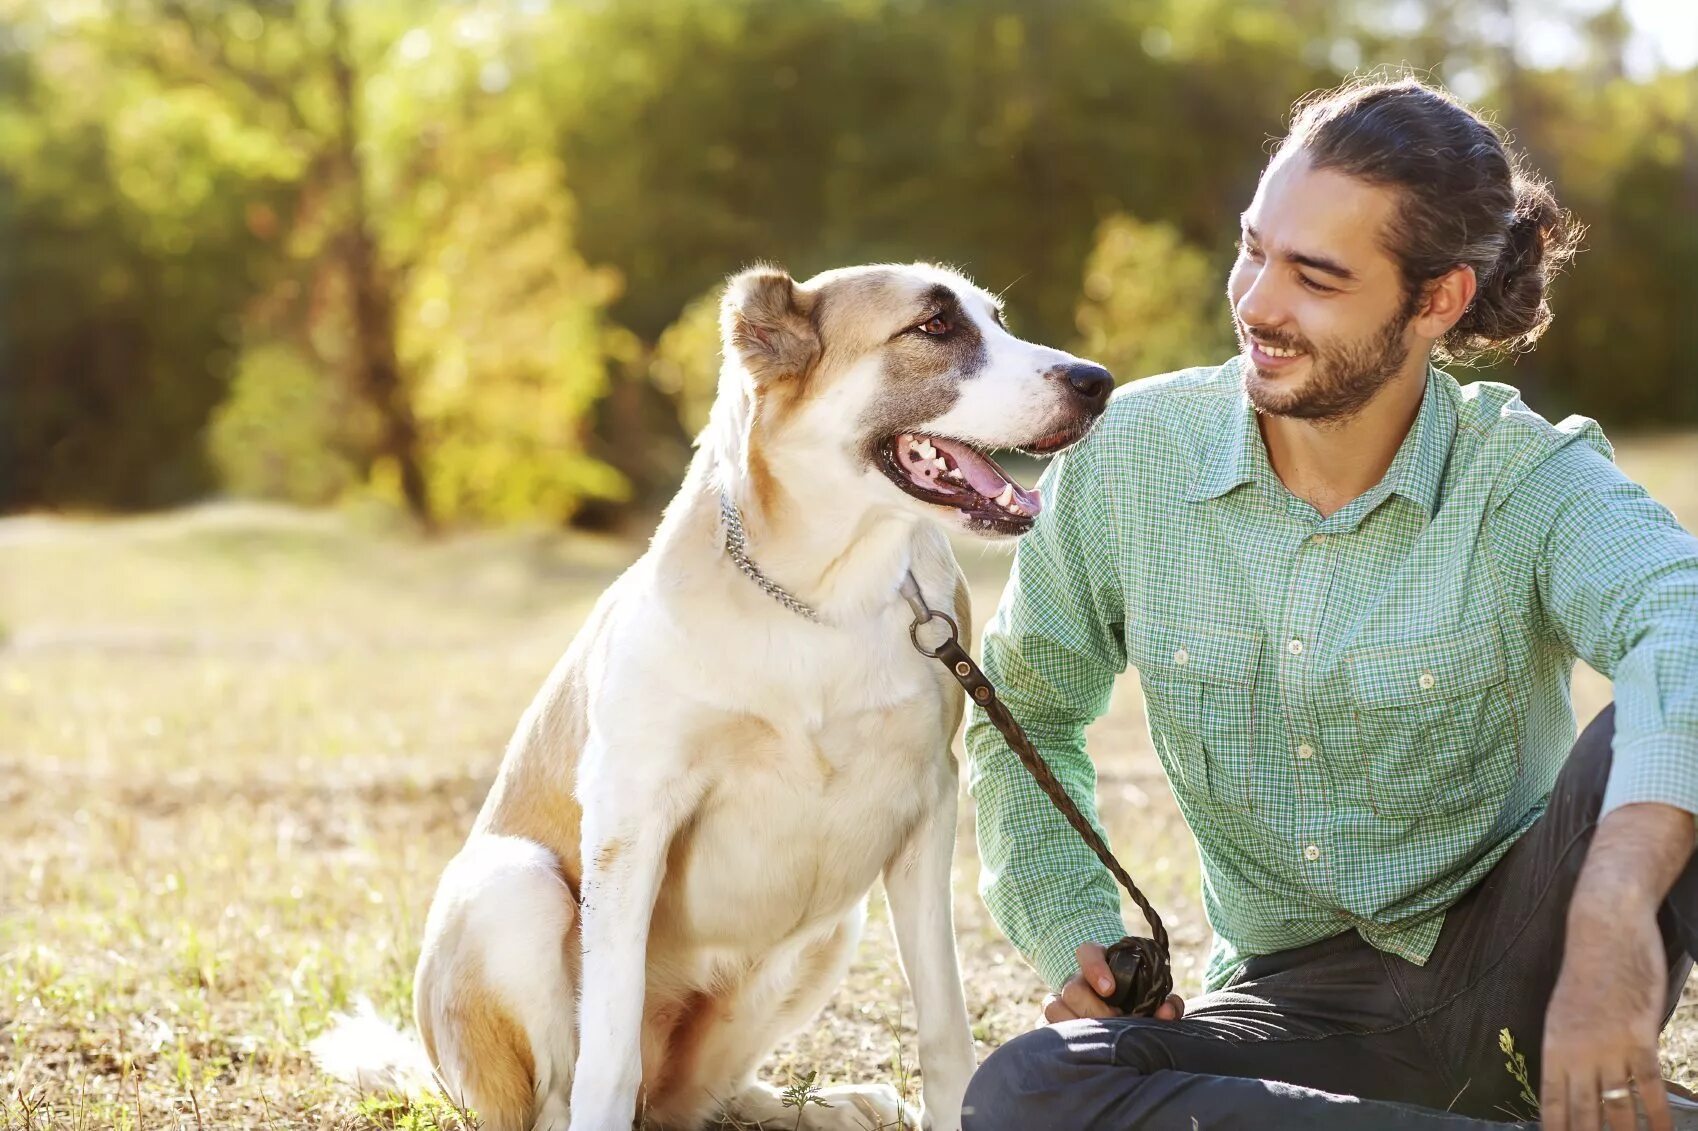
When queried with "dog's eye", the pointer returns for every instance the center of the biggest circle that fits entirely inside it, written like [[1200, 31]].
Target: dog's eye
[[936, 326]]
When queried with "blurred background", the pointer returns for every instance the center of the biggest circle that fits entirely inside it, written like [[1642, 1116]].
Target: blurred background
[[461, 258], [283, 285]]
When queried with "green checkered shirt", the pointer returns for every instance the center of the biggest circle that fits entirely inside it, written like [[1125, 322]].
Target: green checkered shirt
[[1358, 714]]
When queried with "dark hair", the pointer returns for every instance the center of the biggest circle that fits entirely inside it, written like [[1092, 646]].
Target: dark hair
[[1465, 200]]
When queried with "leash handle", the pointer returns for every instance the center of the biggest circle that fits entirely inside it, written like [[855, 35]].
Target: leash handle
[[1142, 967]]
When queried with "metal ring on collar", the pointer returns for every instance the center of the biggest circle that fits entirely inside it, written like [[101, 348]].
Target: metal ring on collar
[[920, 622]]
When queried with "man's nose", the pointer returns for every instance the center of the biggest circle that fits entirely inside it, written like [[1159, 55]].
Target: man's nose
[[1090, 383], [1258, 305]]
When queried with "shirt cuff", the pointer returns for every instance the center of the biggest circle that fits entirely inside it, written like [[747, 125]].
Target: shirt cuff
[[1055, 957], [1661, 767]]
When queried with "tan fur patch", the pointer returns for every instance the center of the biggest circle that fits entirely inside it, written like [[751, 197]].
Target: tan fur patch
[[679, 1030], [767, 494], [609, 853], [532, 794], [737, 742], [765, 322], [494, 1070]]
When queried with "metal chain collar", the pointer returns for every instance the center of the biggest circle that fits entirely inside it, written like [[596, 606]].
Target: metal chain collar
[[737, 545], [1142, 969]]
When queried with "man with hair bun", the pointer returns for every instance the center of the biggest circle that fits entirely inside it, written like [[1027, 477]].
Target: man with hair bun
[[1354, 591]]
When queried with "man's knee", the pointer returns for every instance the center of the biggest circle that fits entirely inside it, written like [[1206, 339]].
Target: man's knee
[[1038, 1078], [1012, 1079]]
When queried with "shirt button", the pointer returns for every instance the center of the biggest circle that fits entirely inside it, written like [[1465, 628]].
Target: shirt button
[[1305, 751], [1318, 539], [1426, 681], [1295, 647], [1311, 854], [1182, 657]]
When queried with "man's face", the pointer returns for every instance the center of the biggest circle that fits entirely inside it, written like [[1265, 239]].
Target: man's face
[[1317, 302]]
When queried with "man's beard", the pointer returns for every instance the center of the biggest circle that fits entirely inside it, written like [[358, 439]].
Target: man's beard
[[1342, 378]]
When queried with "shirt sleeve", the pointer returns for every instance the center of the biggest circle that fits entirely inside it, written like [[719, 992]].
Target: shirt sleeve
[[1619, 578], [1053, 650]]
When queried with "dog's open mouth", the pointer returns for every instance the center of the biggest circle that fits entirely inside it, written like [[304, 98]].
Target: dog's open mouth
[[951, 473]]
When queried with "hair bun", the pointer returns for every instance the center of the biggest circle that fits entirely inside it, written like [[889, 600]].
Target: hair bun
[[1510, 309]]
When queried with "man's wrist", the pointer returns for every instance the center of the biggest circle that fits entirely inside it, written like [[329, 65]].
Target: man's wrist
[[1636, 854]]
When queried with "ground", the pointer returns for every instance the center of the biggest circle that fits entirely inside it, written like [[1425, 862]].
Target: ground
[[237, 744]]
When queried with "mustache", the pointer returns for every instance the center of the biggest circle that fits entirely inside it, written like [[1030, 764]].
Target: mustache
[[1276, 340]]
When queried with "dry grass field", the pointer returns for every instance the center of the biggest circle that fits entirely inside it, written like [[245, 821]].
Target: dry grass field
[[238, 744]]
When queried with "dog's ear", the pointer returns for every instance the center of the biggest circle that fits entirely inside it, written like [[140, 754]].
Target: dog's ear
[[766, 323]]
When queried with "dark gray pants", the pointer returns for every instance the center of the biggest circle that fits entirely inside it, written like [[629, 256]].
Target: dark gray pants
[[1338, 1034]]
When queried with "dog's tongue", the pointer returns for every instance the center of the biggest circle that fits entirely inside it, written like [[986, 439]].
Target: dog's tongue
[[985, 476]]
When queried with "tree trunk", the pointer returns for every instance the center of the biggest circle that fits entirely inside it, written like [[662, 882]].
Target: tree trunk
[[377, 366]]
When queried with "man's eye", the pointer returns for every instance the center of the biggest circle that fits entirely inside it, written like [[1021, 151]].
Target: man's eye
[[1318, 288], [936, 326], [1248, 251]]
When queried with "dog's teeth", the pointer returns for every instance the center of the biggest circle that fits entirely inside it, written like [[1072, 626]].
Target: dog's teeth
[[940, 464], [924, 448]]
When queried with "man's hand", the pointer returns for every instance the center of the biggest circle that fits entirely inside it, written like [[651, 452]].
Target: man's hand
[[1600, 1040], [1081, 996]]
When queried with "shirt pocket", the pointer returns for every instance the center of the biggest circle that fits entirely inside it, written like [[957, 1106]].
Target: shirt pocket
[[1435, 721], [1199, 692]]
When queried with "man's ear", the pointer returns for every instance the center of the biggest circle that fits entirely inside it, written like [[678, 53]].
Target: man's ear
[[766, 324], [1446, 300]]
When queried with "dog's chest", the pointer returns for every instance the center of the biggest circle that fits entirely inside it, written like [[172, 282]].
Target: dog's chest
[[801, 816]]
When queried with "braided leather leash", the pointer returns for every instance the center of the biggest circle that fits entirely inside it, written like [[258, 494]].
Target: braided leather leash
[[1142, 969]]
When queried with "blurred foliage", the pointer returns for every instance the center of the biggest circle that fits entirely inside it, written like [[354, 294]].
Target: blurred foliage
[[686, 360], [469, 249], [1151, 303], [284, 431]]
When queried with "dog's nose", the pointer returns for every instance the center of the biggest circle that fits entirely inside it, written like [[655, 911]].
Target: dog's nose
[[1093, 383]]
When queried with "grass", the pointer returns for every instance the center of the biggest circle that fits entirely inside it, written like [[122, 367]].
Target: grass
[[238, 744]]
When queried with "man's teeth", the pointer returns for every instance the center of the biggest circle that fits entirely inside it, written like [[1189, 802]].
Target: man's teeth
[[1275, 351]]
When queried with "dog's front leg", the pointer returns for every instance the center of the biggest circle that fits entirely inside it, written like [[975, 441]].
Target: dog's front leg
[[627, 827], [917, 882]]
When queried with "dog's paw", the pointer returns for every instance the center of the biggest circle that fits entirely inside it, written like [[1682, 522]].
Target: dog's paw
[[874, 1107]]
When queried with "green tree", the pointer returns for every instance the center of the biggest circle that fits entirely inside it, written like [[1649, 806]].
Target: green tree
[[1150, 302]]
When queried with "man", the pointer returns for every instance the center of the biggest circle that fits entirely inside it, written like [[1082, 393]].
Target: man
[[1354, 591]]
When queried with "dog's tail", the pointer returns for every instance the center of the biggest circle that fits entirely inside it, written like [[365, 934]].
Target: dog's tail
[[374, 1056]]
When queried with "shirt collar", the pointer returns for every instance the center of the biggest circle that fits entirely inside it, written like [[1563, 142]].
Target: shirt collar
[[1417, 471], [1238, 455], [1231, 459]]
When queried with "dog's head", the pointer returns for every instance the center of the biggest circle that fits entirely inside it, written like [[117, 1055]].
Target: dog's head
[[885, 385]]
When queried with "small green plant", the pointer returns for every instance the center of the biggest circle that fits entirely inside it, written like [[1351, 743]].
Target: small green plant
[[1516, 1066], [428, 1112], [801, 1093]]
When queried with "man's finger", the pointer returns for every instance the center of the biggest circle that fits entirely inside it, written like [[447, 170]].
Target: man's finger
[[1084, 1002], [1172, 1009], [1615, 1100], [1584, 1107], [1056, 1010], [1653, 1096], [1093, 967], [1553, 1093]]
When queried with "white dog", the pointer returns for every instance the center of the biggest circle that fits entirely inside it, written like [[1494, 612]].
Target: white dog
[[670, 873]]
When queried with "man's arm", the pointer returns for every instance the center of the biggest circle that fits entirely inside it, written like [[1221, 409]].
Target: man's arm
[[1619, 579], [1052, 650]]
